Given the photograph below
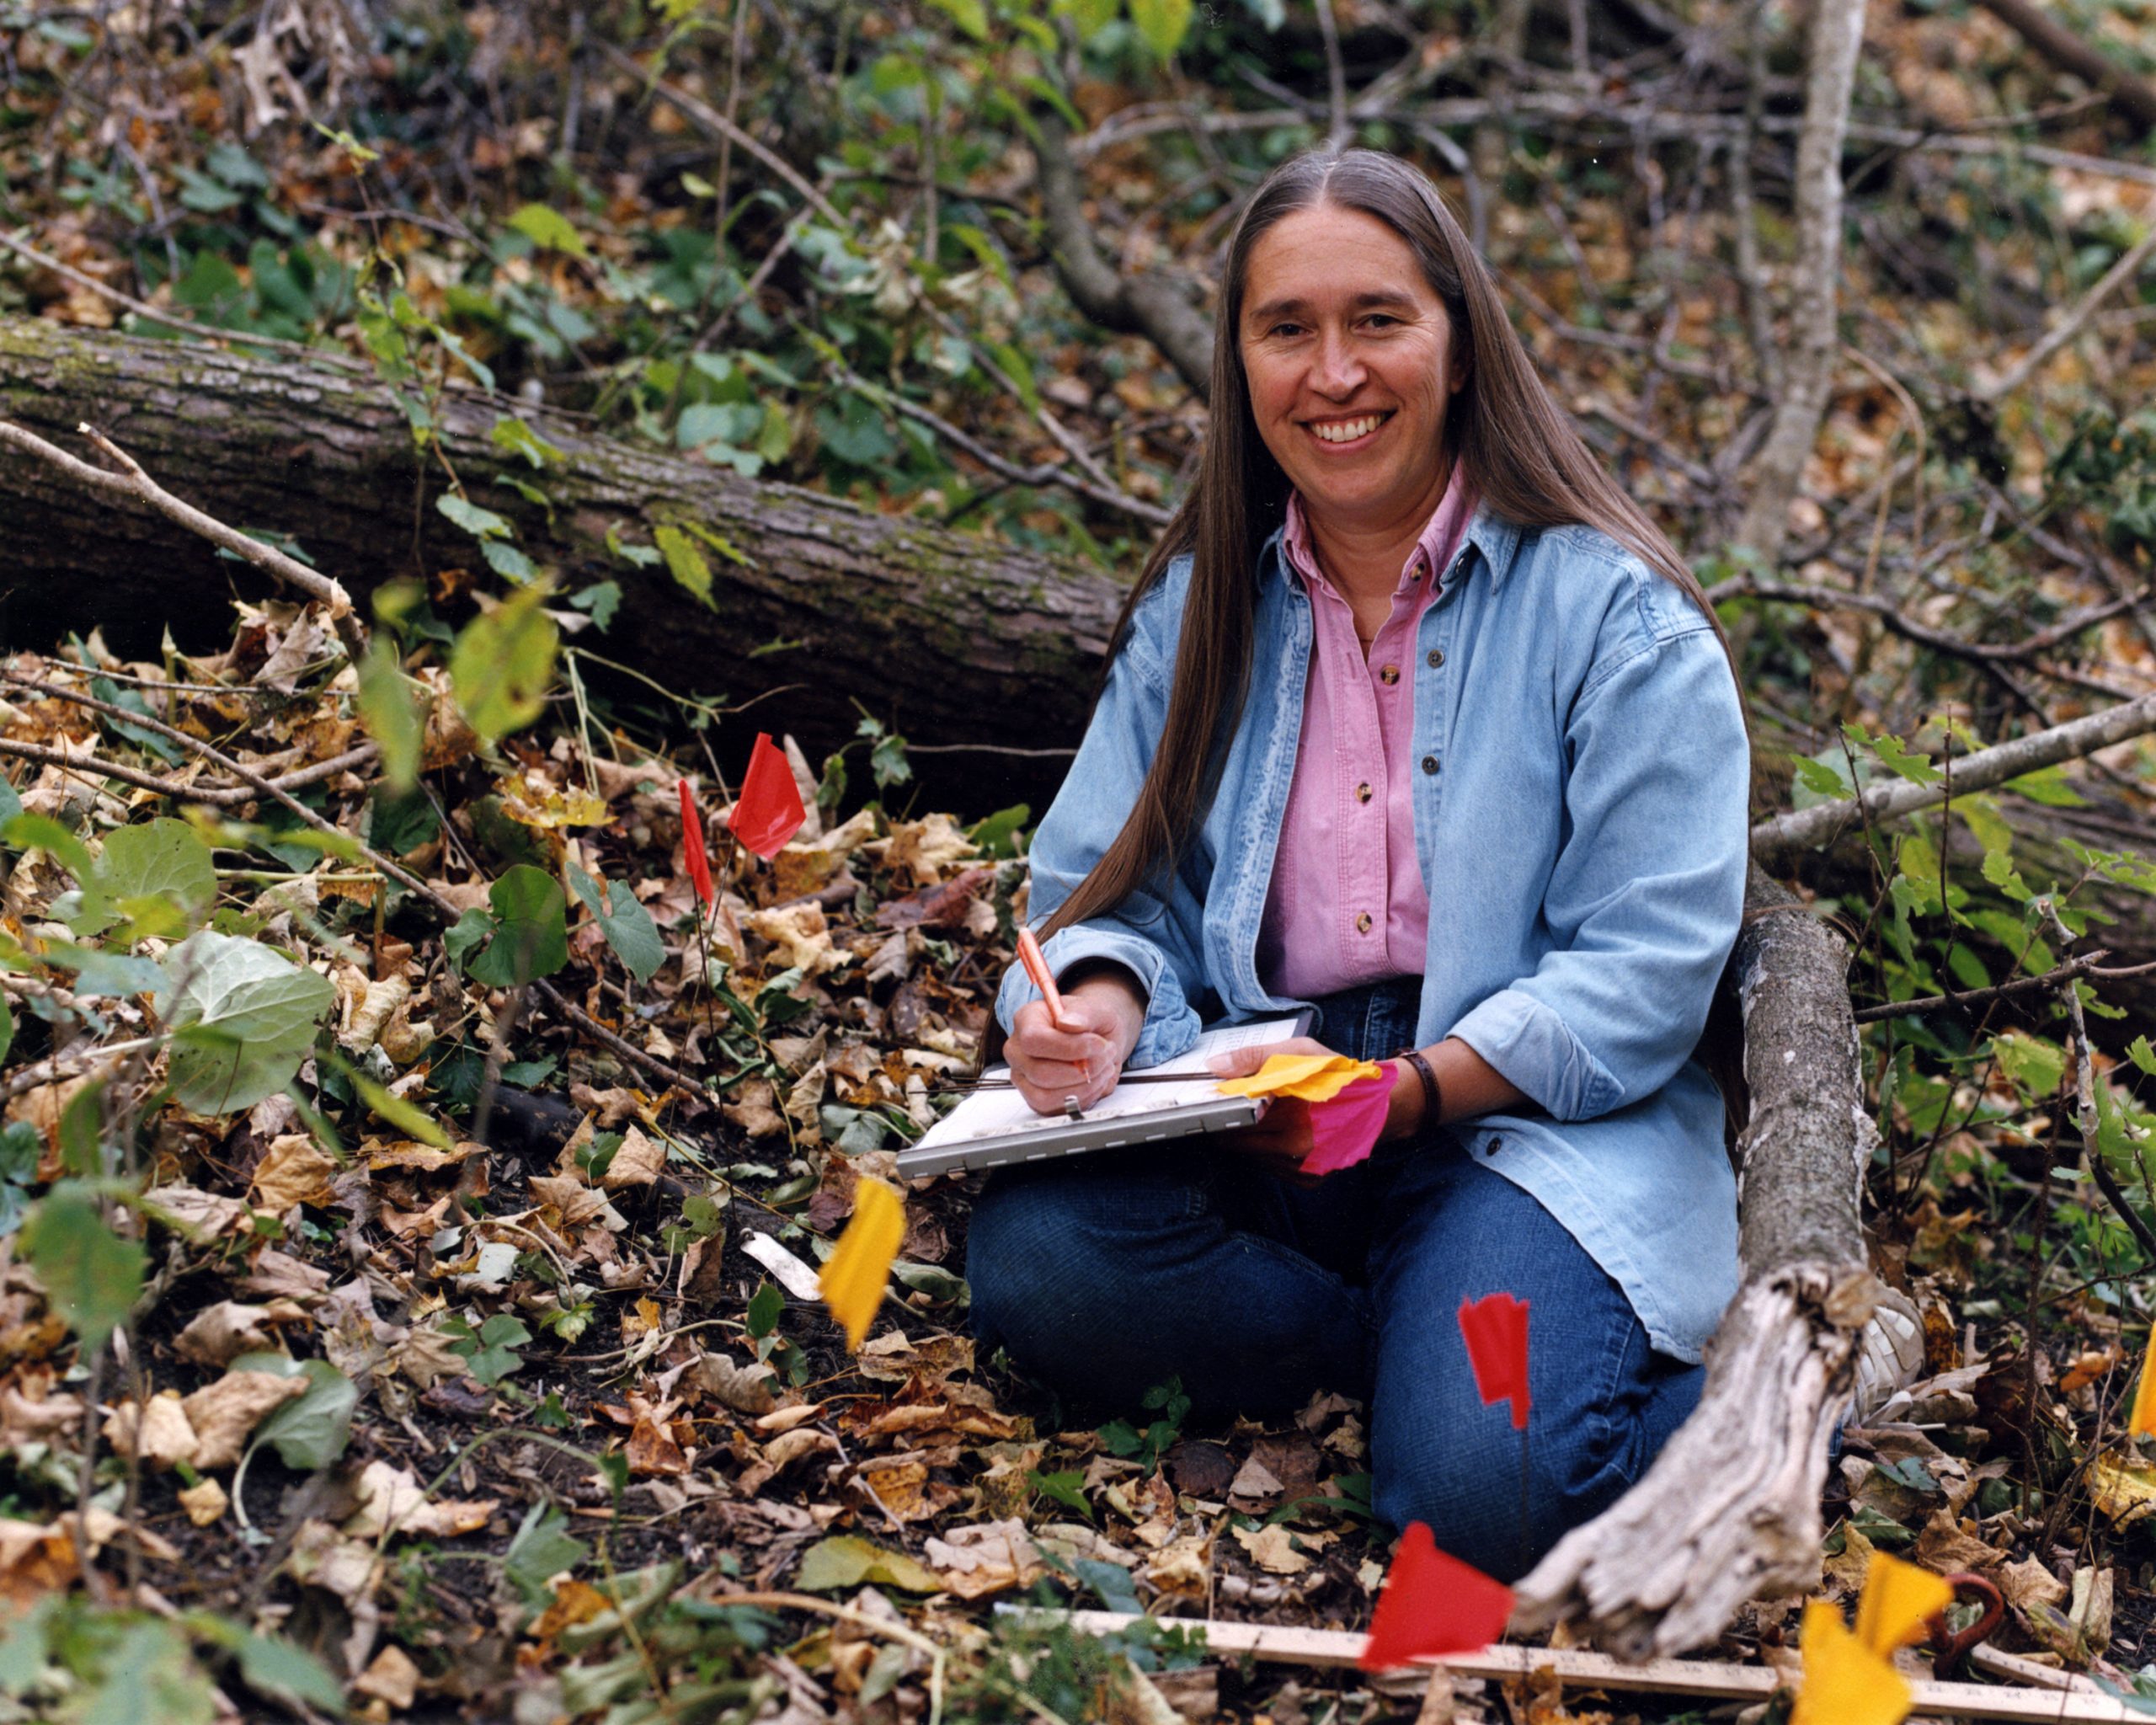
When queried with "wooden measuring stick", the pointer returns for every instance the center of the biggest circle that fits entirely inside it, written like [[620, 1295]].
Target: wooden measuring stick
[[1704, 1678]]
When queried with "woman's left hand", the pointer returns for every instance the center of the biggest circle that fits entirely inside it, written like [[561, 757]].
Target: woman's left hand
[[1280, 1138]]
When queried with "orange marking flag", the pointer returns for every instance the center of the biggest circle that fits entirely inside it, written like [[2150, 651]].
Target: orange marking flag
[[1309, 1077], [1897, 1601], [769, 810], [2141, 1422], [1432, 1604], [859, 1269], [1845, 1683], [1495, 1328]]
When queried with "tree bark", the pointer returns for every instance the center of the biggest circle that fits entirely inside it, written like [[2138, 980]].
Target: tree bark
[[1807, 374], [949, 637]]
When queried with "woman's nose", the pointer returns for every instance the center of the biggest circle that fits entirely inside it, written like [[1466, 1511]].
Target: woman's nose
[[1339, 367]]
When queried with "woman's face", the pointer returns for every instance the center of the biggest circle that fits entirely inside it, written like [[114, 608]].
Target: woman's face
[[1348, 352]]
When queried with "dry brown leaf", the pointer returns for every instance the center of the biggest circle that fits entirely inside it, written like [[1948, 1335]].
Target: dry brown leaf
[[223, 1414], [1183, 1567], [790, 1447], [746, 1389], [292, 1171], [577, 1203], [2029, 1583], [221, 1333], [392, 1501], [204, 1502], [2124, 1491], [1272, 1549], [280, 1275], [990, 1558], [637, 1162], [392, 1679]]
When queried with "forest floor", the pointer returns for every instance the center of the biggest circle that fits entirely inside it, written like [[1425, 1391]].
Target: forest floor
[[555, 1376]]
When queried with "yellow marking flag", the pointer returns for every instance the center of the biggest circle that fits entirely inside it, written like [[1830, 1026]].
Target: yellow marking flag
[[1845, 1683], [1898, 1600], [1312, 1077], [2141, 1424], [859, 1269]]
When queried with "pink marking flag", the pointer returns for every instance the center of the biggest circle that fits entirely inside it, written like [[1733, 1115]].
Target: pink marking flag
[[1432, 1604], [1344, 1130], [768, 812], [1495, 1328]]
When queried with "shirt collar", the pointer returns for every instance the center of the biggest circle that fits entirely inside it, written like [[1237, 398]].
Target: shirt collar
[[1437, 537]]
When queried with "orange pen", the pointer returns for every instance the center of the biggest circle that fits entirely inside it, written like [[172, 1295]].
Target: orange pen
[[1030, 955]]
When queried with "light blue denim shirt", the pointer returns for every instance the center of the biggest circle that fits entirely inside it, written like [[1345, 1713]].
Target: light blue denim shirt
[[1581, 817]]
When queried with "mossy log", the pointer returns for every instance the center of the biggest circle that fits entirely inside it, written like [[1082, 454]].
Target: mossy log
[[950, 637]]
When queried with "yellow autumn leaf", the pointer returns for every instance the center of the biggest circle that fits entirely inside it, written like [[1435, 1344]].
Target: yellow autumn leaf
[[1311, 1077], [2124, 1491], [2141, 1424], [1898, 1600], [1845, 1683], [859, 1269]]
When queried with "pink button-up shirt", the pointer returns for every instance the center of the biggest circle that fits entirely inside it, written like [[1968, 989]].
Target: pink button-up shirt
[[1347, 903]]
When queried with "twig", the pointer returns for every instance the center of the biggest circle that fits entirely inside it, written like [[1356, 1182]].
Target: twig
[[136, 484], [2087, 965], [220, 796], [2086, 1117], [1807, 828], [1335, 75], [2070, 325], [704, 115], [143, 308]]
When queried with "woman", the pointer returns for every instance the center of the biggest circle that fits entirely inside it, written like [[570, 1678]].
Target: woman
[[1414, 717]]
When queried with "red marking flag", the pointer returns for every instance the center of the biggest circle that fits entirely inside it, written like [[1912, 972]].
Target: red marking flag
[[1432, 1604], [692, 843], [1495, 1328], [769, 811]]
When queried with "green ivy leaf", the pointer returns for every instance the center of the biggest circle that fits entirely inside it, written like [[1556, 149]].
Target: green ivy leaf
[[531, 930], [515, 437], [504, 663], [391, 710], [684, 562], [2139, 1051], [311, 1430], [970, 16], [150, 1674], [1162, 24], [1896, 758], [626, 925], [479, 523], [847, 1560], [549, 230], [241, 1015], [157, 859], [2035, 1065], [92, 1276]]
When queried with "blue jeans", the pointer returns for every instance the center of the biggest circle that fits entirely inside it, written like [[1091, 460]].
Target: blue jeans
[[1103, 1275]]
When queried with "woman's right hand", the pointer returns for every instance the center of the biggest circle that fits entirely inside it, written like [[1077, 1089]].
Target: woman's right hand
[[1104, 1015]]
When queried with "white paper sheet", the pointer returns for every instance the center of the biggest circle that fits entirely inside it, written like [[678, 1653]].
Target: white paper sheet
[[1004, 1114]]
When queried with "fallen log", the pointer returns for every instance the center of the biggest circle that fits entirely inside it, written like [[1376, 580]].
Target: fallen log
[[1730, 1509], [950, 637]]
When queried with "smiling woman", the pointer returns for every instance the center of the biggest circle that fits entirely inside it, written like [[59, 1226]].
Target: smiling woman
[[1414, 718]]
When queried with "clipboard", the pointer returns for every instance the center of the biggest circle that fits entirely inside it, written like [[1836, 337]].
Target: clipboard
[[994, 1129]]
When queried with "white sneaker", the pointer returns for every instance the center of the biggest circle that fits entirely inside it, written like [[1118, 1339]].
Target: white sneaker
[[1889, 1356]]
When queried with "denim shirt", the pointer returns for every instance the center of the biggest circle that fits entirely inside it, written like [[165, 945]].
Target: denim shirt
[[1582, 805]]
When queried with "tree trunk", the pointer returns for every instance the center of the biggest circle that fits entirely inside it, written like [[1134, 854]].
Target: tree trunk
[[949, 637]]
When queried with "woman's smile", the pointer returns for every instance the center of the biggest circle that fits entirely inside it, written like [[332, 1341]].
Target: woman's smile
[[1344, 434]]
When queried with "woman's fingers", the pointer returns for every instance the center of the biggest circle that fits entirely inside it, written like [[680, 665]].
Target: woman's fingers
[[1241, 1062], [1049, 1063]]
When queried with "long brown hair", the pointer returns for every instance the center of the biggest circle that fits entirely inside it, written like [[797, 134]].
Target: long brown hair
[[1515, 448]]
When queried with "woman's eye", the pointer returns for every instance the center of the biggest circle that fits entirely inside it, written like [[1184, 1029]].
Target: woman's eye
[[1378, 320]]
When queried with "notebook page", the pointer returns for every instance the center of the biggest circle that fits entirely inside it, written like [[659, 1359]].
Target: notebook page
[[1002, 1113]]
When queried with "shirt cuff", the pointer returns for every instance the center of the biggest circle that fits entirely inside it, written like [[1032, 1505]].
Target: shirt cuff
[[1532, 1048], [1170, 1026]]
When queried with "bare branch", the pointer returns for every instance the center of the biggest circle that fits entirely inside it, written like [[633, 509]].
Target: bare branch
[[2072, 322], [1805, 828], [139, 486], [2130, 95], [1148, 305]]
